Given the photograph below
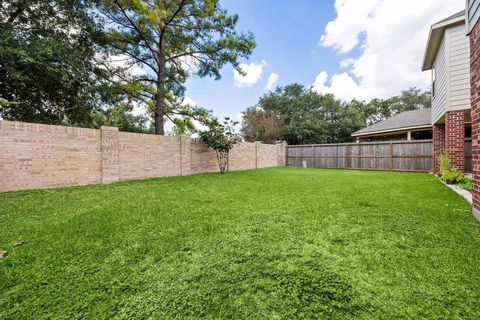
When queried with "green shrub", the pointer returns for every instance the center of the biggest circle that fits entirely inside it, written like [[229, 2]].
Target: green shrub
[[221, 137], [444, 163], [466, 184], [452, 176]]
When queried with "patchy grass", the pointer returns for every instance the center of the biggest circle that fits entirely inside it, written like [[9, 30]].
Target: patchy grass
[[275, 243]]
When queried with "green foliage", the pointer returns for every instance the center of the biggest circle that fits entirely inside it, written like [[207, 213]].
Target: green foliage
[[264, 126], [170, 40], [380, 109], [452, 176], [444, 163], [448, 174], [122, 118], [48, 67], [304, 117], [466, 184], [273, 243], [300, 115], [221, 137]]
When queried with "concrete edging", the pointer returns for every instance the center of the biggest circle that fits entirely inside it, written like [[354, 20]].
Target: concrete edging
[[476, 213], [462, 192], [466, 195]]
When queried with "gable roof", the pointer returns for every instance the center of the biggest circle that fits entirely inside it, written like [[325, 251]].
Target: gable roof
[[453, 16], [436, 35], [419, 118]]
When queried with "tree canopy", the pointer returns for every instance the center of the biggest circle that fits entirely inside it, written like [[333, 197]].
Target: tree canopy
[[170, 40], [299, 115], [47, 61]]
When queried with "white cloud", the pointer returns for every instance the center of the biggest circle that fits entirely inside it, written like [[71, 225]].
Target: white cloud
[[253, 72], [391, 36], [344, 32], [347, 62], [187, 101], [272, 81], [342, 85]]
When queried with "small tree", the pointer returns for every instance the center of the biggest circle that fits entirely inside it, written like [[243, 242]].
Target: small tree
[[221, 137]]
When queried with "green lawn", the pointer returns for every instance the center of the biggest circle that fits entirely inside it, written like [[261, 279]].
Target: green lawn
[[276, 243]]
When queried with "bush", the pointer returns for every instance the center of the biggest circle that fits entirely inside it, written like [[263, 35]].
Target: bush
[[444, 163], [221, 137], [448, 174], [466, 184], [452, 176]]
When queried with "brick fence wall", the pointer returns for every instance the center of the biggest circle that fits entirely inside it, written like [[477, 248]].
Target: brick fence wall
[[35, 156], [475, 100]]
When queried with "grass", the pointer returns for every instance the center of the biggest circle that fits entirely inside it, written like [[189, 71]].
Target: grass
[[276, 243]]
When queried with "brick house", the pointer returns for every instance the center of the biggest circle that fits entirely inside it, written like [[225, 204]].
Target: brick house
[[472, 12], [447, 57], [449, 121]]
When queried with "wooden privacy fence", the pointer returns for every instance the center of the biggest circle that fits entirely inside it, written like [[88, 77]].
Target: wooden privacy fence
[[414, 155]]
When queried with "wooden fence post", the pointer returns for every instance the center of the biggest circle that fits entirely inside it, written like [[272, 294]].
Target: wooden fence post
[[337, 164], [391, 156], [347, 158], [286, 154]]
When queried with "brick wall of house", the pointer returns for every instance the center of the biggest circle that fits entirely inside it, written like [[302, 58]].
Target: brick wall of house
[[455, 138], [438, 145], [36, 156], [475, 99]]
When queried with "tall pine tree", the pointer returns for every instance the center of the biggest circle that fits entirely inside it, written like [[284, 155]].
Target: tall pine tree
[[170, 40]]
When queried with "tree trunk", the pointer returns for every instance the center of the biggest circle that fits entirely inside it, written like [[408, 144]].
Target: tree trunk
[[222, 158], [160, 103]]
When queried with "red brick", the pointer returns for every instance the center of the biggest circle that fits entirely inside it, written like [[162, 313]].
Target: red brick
[[475, 98]]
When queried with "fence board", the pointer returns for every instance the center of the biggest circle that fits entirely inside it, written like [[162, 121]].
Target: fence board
[[414, 155]]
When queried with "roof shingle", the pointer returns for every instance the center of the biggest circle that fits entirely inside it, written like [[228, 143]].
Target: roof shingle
[[407, 119]]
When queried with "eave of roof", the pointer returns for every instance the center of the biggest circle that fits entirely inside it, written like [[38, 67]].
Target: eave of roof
[[407, 120], [379, 132], [436, 35]]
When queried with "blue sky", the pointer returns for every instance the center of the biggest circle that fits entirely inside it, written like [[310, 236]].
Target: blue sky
[[353, 48], [287, 35]]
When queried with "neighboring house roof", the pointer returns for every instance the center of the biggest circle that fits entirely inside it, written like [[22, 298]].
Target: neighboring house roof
[[436, 35], [414, 119]]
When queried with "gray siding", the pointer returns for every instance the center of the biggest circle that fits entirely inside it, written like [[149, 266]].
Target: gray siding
[[439, 100], [458, 66], [473, 12]]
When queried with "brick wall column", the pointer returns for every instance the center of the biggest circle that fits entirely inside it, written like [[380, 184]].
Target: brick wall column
[[281, 154], [455, 138], [475, 100], [257, 146], [438, 145], [185, 156], [110, 154]]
